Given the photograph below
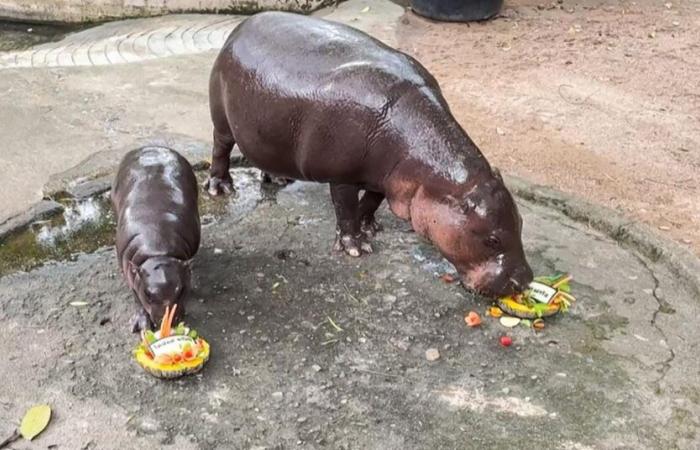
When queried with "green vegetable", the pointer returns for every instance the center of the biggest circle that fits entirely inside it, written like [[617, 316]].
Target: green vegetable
[[180, 329], [193, 334], [150, 336]]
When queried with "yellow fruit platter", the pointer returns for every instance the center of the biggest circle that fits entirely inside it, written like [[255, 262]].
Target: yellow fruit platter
[[546, 296], [171, 352]]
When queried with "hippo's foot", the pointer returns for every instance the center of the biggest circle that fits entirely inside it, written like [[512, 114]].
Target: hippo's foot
[[370, 227], [216, 186], [140, 321], [352, 245], [272, 179]]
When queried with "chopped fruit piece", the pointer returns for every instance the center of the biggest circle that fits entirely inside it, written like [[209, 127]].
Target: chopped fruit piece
[[506, 341], [495, 311], [472, 319]]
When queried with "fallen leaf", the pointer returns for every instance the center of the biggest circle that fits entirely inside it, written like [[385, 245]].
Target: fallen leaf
[[35, 421], [78, 303], [509, 322]]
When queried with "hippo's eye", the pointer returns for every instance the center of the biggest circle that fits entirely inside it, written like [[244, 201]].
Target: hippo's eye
[[493, 242]]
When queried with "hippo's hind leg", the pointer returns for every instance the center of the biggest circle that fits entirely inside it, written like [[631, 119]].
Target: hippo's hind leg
[[368, 206], [349, 237], [220, 181]]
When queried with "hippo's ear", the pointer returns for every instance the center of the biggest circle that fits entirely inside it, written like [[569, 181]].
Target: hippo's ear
[[496, 173], [465, 204], [133, 268]]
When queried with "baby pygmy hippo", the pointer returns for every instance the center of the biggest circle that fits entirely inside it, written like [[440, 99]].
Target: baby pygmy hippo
[[310, 99], [158, 230]]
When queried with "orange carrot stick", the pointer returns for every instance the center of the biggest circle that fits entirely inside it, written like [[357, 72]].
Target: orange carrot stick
[[163, 322], [171, 318]]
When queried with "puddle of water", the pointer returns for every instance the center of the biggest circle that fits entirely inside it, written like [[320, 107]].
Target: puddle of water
[[21, 36], [89, 224], [84, 227], [248, 194]]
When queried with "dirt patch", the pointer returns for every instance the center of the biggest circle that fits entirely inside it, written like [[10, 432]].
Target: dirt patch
[[595, 99]]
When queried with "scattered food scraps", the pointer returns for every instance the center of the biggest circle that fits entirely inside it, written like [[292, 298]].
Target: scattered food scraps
[[494, 311], [506, 341], [509, 322], [447, 278], [472, 319], [538, 324]]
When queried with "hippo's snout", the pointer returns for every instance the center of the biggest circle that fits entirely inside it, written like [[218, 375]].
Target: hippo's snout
[[489, 280]]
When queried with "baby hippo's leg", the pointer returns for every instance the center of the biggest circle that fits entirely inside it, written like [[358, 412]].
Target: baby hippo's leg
[[140, 320], [220, 181], [349, 237], [368, 206]]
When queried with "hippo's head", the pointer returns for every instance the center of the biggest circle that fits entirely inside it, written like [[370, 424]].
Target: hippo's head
[[479, 231], [161, 282]]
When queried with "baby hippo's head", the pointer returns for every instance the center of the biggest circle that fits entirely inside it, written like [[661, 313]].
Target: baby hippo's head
[[478, 229], [161, 283]]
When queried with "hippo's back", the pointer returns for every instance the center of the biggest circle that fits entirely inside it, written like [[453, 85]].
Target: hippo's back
[[303, 56], [155, 200]]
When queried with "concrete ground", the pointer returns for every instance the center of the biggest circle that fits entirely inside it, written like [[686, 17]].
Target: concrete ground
[[618, 371], [310, 349]]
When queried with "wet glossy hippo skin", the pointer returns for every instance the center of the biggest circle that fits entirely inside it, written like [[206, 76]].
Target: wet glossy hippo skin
[[158, 230], [313, 100]]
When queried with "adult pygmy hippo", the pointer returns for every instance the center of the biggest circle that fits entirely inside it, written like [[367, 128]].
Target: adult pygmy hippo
[[155, 201], [309, 99]]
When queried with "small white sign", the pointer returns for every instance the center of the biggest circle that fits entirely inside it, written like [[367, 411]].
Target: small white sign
[[171, 345], [542, 293]]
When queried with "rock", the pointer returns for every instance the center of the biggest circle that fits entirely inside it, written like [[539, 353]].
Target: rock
[[316, 368], [43, 210], [432, 354], [149, 426]]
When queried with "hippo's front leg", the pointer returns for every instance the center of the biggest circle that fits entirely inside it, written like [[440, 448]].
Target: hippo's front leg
[[349, 238], [220, 181]]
